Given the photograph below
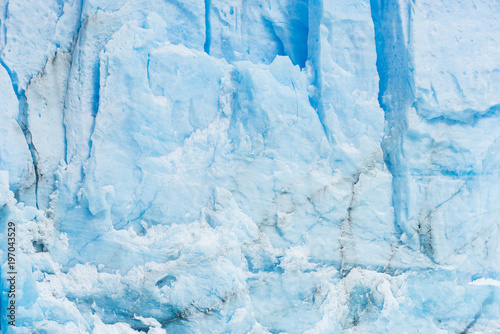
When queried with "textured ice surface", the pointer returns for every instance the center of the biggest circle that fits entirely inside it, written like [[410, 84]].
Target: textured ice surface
[[258, 166]]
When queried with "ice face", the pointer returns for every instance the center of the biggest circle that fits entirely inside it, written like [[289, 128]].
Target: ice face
[[251, 167], [15, 157]]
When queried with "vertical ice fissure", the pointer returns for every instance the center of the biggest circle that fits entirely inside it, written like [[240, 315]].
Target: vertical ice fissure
[[313, 54], [23, 117], [24, 124], [72, 49], [206, 46], [395, 96], [346, 239], [95, 109], [22, 120]]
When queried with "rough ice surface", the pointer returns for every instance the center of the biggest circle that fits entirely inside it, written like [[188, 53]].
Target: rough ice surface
[[261, 166]]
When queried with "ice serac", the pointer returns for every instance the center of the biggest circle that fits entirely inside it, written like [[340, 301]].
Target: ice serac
[[99, 22], [173, 93], [256, 166], [443, 160], [344, 91], [442, 141]]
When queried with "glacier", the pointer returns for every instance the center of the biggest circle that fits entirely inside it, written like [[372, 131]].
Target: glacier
[[259, 166]]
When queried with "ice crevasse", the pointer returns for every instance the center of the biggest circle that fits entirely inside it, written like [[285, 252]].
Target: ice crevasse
[[259, 166]]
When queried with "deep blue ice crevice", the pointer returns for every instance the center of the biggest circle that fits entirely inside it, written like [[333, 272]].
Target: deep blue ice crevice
[[208, 36], [95, 105], [290, 25], [395, 97], [12, 75], [314, 55]]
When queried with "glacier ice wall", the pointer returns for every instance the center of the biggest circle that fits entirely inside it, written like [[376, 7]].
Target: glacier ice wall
[[264, 166]]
